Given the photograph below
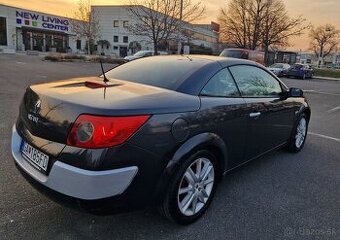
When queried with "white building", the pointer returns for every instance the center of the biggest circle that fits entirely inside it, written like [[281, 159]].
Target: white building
[[114, 24], [22, 30]]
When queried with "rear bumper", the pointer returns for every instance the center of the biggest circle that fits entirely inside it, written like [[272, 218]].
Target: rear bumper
[[76, 182]]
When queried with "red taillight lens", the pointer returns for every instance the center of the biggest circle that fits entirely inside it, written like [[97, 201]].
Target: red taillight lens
[[99, 132]]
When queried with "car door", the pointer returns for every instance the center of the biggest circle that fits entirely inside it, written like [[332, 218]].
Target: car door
[[223, 113], [270, 116]]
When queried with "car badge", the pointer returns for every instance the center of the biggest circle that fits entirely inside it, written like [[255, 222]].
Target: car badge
[[37, 106]]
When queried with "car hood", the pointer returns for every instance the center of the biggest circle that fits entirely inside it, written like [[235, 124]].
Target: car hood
[[60, 103]]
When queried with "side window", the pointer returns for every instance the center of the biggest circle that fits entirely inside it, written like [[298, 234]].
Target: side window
[[255, 82], [221, 85]]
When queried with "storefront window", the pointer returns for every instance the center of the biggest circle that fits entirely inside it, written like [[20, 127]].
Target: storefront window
[[3, 31]]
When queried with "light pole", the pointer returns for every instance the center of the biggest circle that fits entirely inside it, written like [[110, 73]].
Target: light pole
[[179, 47]]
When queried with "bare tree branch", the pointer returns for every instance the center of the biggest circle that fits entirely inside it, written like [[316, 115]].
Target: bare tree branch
[[324, 40], [159, 20], [87, 23], [259, 23]]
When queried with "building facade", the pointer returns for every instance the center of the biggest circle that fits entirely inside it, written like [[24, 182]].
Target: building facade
[[24, 30], [114, 22]]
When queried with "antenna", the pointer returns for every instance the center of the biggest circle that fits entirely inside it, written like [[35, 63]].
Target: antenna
[[101, 65]]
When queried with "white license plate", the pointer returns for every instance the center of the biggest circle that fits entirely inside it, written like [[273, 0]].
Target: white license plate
[[38, 159]]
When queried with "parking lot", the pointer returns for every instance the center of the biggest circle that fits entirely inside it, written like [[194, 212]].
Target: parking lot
[[279, 196]]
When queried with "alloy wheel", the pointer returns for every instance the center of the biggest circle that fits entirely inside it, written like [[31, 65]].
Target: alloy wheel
[[301, 132], [196, 186]]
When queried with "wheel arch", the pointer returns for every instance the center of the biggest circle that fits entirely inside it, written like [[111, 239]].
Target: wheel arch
[[203, 141], [208, 141]]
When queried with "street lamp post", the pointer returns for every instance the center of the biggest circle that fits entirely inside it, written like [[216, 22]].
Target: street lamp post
[[179, 47]]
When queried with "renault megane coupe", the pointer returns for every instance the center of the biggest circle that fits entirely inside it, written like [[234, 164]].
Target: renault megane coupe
[[158, 131]]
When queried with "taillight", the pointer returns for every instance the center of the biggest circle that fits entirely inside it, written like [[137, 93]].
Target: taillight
[[99, 132]]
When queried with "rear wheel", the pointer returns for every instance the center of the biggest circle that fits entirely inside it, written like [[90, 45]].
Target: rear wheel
[[192, 188], [299, 134]]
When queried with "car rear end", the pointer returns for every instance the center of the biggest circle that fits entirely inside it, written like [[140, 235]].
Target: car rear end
[[80, 157], [82, 140]]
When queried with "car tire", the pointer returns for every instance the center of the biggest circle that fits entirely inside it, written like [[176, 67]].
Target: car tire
[[299, 134], [173, 206]]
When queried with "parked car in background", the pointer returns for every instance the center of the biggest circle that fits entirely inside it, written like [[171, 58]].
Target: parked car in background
[[298, 70], [144, 53], [279, 68], [252, 55]]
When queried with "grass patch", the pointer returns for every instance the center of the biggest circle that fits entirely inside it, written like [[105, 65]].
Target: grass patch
[[331, 73]]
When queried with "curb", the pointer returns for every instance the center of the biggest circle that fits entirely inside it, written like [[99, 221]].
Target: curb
[[326, 78]]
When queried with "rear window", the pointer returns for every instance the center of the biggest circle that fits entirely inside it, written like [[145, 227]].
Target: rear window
[[162, 72]]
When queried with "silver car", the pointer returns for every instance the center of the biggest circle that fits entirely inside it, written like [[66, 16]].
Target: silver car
[[279, 68], [143, 53]]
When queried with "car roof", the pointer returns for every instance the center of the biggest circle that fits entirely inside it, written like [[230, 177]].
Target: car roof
[[207, 66], [207, 59]]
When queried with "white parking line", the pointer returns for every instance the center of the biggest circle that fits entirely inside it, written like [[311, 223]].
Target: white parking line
[[333, 109], [324, 136]]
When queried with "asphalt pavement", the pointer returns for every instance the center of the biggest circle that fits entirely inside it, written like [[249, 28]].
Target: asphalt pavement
[[279, 196]]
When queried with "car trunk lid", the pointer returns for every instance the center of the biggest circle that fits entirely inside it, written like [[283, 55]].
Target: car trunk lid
[[49, 110]]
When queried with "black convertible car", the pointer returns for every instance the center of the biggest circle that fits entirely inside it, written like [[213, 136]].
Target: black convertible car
[[156, 131]]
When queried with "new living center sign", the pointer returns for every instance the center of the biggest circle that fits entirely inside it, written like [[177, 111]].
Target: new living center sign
[[39, 20]]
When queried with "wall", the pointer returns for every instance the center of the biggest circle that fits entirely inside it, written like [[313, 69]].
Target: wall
[[18, 18]]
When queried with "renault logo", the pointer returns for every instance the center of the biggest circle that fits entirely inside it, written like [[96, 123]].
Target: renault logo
[[37, 106]]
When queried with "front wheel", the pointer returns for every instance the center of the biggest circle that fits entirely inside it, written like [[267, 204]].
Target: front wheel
[[299, 134], [192, 188]]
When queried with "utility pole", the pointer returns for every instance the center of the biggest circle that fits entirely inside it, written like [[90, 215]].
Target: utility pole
[[179, 48]]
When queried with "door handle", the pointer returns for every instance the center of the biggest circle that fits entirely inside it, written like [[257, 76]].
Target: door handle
[[254, 114]]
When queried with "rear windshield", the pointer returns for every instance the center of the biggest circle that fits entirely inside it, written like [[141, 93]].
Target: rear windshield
[[160, 71]]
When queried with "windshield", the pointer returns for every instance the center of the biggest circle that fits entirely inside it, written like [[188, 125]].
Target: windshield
[[158, 71]]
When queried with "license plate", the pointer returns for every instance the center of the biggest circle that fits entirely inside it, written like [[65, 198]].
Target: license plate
[[38, 159]]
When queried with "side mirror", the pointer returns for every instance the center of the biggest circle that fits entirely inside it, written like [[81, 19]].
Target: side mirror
[[295, 92]]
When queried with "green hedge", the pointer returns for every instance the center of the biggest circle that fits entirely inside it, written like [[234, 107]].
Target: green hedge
[[331, 73]]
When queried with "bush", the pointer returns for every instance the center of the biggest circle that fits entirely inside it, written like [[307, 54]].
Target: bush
[[107, 60], [53, 58], [331, 73], [70, 57], [73, 56]]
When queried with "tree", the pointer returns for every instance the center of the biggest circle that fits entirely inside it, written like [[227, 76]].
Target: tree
[[278, 27], [324, 40], [241, 23], [87, 23], [160, 20], [253, 24]]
